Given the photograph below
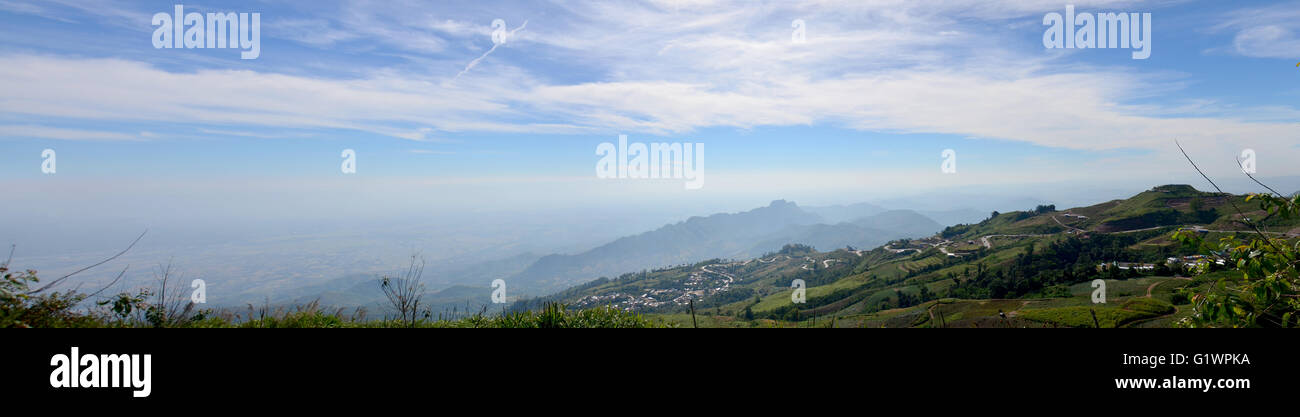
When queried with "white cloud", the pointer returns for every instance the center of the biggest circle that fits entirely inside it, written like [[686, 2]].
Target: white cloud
[[46, 132], [32, 9], [127, 16], [460, 28], [1271, 41], [315, 32], [675, 67], [1265, 32], [430, 152]]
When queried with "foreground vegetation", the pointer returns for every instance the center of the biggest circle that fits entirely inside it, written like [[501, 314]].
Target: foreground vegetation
[[59, 310], [26, 303], [554, 316]]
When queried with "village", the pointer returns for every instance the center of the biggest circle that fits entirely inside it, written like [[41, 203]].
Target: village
[[702, 283]]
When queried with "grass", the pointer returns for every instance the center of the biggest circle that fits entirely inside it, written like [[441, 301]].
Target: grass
[[1165, 290], [918, 264], [1132, 287], [710, 321], [1080, 316], [1107, 316], [782, 298], [1148, 305], [958, 310], [552, 316]]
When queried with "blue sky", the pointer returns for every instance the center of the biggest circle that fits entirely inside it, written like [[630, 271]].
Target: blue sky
[[862, 108]]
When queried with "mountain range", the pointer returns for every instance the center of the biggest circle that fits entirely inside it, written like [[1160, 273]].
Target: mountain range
[[729, 236]]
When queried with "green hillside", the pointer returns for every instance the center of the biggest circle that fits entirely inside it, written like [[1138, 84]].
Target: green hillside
[[1028, 268]]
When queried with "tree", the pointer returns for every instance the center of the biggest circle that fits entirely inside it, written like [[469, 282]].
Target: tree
[[1267, 292], [171, 307], [23, 306], [405, 293], [906, 300], [1162, 268]]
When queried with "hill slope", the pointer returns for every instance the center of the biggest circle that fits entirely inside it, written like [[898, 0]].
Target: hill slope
[[1025, 268]]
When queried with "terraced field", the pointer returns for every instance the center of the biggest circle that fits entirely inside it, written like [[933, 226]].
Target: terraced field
[[919, 264], [1138, 302]]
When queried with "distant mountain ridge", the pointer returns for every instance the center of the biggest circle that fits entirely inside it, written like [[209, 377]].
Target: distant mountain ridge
[[727, 235], [903, 223], [845, 213]]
